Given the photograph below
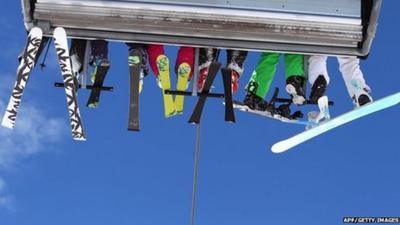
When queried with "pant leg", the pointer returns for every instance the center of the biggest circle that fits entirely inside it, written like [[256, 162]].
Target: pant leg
[[154, 51], [185, 55], [77, 52], [206, 57], [235, 60], [263, 75], [317, 66], [143, 49], [100, 49], [294, 65], [352, 74]]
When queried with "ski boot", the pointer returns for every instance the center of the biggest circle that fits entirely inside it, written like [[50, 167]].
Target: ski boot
[[284, 111], [294, 86], [255, 102], [318, 89]]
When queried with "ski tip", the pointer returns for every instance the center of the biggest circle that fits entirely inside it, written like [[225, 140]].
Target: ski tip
[[37, 31], [134, 129], [7, 124], [59, 30], [80, 139], [163, 58]]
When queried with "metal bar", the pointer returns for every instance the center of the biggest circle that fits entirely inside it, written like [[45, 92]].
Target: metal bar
[[104, 88], [372, 27], [285, 100], [246, 45], [85, 66], [196, 71], [187, 93]]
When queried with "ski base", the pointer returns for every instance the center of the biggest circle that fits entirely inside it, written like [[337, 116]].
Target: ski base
[[184, 71], [163, 69], [25, 67], [94, 99], [135, 60], [227, 80], [61, 44], [198, 110]]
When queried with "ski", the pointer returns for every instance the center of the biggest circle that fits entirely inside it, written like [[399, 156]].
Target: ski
[[244, 108], [101, 72], [61, 44], [198, 110], [25, 67], [227, 80], [163, 69], [135, 61], [184, 71], [328, 125]]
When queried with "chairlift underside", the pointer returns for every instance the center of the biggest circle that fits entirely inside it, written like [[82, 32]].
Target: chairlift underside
[[340, 27]]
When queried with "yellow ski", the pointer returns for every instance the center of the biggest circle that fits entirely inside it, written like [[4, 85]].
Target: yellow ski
[[182, 84], [163, 69]]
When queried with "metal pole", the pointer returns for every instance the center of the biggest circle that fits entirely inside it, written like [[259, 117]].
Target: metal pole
[[85, 66], [196, 71], [195, 175]]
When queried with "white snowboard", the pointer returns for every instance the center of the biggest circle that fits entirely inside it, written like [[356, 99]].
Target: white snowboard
[[325, 126], [244, 108]]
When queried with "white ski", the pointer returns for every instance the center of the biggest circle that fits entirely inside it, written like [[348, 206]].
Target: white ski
[[25, 67], [338, 121], [61, 43]]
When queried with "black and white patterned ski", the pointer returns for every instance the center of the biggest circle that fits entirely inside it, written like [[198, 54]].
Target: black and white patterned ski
[[135, 62], [94, 99], [227, 80], [61, 44], [198, 110], [25, 67]]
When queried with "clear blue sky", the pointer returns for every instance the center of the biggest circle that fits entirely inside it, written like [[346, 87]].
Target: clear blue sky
[[119, 177]]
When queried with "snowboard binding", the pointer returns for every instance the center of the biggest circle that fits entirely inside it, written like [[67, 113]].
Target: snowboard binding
[[284, 109]]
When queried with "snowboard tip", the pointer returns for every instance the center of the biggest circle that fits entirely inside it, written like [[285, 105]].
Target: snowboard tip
[[278, 148]]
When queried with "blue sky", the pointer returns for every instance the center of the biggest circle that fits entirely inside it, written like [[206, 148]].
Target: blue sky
[[119, 177]]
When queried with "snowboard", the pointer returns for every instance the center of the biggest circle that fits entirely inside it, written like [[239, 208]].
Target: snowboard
[[328, 125], [61, 44], [244, 108], [163, 69], [184, 71], [25, 68]]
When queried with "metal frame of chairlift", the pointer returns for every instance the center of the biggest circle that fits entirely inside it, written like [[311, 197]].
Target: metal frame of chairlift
[[199, 25], [354, 39]]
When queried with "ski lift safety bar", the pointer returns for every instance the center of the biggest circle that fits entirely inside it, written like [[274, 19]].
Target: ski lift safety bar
[[322, 31]]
